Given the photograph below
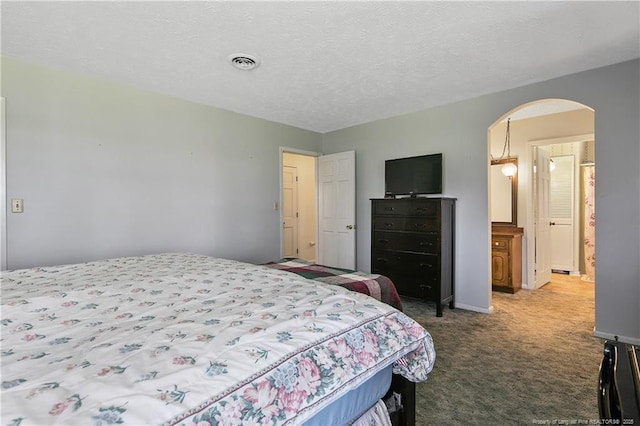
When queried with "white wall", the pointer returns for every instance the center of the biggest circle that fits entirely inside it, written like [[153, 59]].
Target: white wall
[[459, 131], [106, 170], [3, 189]]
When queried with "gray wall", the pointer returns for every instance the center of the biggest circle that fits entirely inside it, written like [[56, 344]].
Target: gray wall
[[106, 170], [459, 131]]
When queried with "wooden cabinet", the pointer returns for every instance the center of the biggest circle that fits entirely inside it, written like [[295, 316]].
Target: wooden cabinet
[[506, 258], [412, 243]]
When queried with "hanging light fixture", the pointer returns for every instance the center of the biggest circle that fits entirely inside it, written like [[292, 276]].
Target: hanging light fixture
[[509, 169]]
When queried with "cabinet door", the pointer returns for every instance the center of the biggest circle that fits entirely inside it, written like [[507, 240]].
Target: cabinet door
[[500, 268]]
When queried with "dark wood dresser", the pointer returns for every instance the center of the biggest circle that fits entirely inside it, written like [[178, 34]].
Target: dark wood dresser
[[412, 242], [506, 258]]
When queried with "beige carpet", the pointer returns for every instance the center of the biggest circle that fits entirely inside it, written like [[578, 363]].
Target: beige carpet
[[533, 359]]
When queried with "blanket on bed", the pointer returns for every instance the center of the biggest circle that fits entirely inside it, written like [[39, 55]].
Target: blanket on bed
[[377, 286], [184, 339]]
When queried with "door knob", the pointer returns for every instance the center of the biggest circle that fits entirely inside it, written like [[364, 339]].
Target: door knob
[[351, 226], [552, 223]]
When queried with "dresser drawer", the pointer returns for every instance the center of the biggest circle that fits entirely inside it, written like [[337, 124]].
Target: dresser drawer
[[423, 242], [423, 265], [500, 243], [412, 224], [407, 207], [425, 287]]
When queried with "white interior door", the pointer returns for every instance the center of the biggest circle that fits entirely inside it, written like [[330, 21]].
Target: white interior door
[[337, 210], [542, 218], [562, 213], [290, 211]]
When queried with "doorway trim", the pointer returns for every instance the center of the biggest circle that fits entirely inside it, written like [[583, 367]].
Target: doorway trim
[[530, 201], [296, 151], [527, 192]]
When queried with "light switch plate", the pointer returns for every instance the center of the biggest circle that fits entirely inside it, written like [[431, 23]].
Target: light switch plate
[[17, 205]]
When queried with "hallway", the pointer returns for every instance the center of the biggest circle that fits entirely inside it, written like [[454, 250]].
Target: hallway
[[571, 285]]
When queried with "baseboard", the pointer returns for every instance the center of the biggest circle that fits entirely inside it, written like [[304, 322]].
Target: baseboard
[[474, 308], [611, 336]]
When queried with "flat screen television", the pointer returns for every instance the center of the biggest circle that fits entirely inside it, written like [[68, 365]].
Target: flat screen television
[[414, 175]]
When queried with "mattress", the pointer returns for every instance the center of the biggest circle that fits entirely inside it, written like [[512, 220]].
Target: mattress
[[354, 403]]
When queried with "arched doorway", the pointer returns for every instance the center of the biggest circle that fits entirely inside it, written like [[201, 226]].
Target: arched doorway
[[562, 130]]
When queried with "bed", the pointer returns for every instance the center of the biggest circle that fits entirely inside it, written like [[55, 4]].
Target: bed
[[401, 397], [184, 339]]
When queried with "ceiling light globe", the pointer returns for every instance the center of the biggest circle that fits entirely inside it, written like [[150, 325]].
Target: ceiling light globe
[[509, 169]]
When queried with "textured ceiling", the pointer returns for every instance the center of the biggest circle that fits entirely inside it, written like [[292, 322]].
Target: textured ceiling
[[325, 65]]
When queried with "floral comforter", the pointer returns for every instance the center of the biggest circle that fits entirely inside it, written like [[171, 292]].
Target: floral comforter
[[185, 339]]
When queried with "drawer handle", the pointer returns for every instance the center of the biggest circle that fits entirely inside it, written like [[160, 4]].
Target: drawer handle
[[420, 225], [497, 244], [389, 225], [425, 287], [389, 209], [422, 244], [426, 265], [381, 259], [383, 240]]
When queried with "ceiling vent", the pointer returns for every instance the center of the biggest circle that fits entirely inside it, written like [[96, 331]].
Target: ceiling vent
[[244, 62]]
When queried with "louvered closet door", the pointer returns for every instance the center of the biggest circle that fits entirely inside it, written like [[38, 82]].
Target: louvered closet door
[[562, 204]]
